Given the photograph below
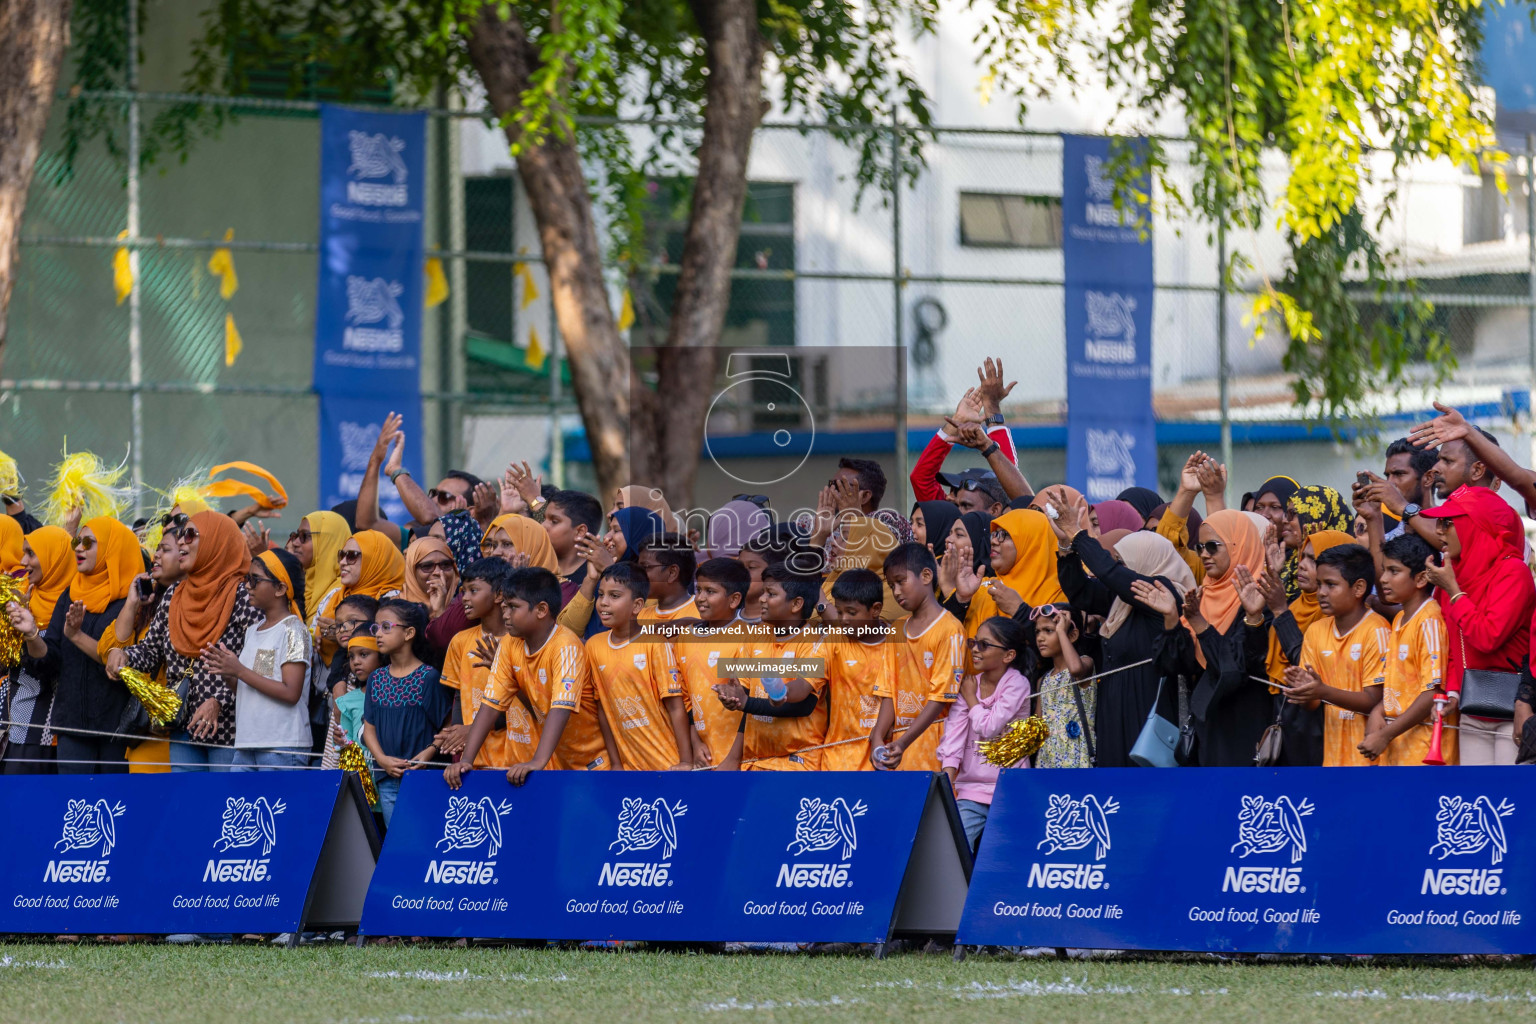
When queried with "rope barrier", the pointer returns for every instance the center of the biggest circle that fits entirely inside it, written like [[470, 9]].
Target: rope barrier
[[137, 738]]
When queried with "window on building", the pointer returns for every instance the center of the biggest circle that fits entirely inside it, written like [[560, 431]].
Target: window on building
[[996, 220], [298, 76], [488, 286]]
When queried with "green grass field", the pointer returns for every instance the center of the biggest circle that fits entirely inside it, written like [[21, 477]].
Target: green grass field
[[87, 983]]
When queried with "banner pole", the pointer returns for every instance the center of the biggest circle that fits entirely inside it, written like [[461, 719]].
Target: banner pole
[[135, 309], [1224, 368]]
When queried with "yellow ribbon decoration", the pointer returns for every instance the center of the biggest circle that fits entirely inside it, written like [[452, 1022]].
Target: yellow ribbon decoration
[[437, 283], [627, 312], [537, 354], [530, 287], [122, 272], [233, 345], [222, 266]]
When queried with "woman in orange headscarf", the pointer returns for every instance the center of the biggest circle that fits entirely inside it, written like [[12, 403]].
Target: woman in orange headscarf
[[10, 544], [369, 565], [50, 565], [1223, 642], [87, 705], [513, 534], [1023, 559], [208, 606]]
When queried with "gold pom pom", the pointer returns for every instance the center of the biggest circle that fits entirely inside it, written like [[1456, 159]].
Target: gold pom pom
[[1023, 738], [12, 588], [82, 481], [158, 699], [11, 484], [354, 760]]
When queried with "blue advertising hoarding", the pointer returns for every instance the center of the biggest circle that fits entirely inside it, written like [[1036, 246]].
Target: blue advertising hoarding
[[180, 852], [1108, 293], [666, 856], [368, 310], [1294, 860]]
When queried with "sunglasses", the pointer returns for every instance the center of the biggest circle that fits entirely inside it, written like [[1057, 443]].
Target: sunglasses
[[443, 497], [349, 556], [302, 536], [433, 568], [1044, 611], [255, 579], [188, 533], [83, 543], [978, 644], [376, 628], [173, 522], [1210, 547]]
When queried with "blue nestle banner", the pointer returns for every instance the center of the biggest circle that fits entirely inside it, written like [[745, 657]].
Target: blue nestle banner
[[1107, 265], [1296, 860], [148, 854], [756, 856], [368, 308], [349, 427]]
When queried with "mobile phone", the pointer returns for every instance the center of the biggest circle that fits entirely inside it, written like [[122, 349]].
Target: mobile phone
[[1362, 479], [146, 588]]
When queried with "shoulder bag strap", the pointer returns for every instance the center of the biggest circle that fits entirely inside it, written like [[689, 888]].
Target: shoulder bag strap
[[1082, 719]]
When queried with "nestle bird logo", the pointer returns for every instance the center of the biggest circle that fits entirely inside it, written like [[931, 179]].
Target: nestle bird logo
[[86, 824], [247, 822], [822, 826], [376, 155], [1267, 826], [1466, 826], [644, 826], [1073, 824], [469, 823]]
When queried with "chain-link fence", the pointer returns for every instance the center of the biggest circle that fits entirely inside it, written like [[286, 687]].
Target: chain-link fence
[[961, 263]]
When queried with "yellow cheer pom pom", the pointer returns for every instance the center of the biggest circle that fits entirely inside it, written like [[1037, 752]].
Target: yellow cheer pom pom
[[11, 484], [354, 760], [1023, 738], [158, 699], [82, 481], [11, 589]]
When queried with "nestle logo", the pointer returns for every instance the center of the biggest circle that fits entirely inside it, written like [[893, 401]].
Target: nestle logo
[[635, 874], [1258, 879], [1463, 882], [1066, 876], [1109, 351], [461, 872], [76, 871], [236, 870], [813, 876]]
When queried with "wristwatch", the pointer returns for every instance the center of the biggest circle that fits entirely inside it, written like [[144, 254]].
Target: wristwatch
[[397, 474], [986, 452], [1410, 510], [995, 420]]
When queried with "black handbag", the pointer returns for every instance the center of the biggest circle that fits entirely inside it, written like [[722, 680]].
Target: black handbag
[[1486, 693]]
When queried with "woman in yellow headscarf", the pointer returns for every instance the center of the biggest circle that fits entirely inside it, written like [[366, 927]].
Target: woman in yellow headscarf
[[10, 544], [50, 566], [1023, 559], [514, 534], [369, 565], [316, 543], [426, 560]]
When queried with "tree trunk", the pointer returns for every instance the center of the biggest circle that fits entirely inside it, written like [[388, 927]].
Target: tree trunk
[[33, 36], [733, 107], [557, 191]]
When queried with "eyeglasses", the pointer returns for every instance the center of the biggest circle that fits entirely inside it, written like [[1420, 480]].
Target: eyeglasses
[[978, 644], [350, 626], [254, 579], [433, 568], [83, 543], [1210, 547], [302, 536], [345, 556], [376, 628]]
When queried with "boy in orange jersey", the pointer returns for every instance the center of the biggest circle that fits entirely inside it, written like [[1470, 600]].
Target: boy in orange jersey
[[721, 585], [1400, 727], [463, 671], [857, 665], [637, 679], [785, 715], [1343, 655], [930, 661], [542, 664], [668, 563]]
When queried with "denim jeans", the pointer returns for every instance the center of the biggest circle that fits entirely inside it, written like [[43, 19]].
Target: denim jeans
[[255, 759], [973, 816], [185, 757], [389, 792]]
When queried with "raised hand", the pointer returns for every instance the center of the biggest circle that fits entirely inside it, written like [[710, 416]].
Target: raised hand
[[968, 581], [1249, 592], [969, 409], [74, 618], [485, 503], [969, 434], [992, 390], [1274, 590], [1156, 597], [528, 486], [386, 435], [1448, 426], [257, 537], [1192, 609], [1189, 476], [396, 455], [1213, 477]]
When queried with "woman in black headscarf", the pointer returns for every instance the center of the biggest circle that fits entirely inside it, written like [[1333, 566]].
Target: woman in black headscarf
[[931, 523], [1272, 500], [1144, 500]]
